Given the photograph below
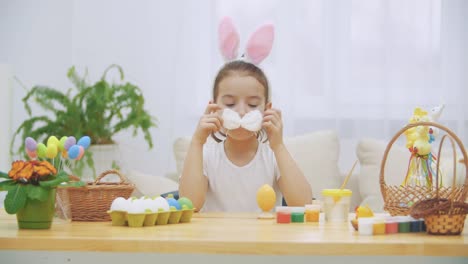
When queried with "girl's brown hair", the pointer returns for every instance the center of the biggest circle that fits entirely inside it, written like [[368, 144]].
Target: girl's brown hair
[[242, 68], [245, 69]]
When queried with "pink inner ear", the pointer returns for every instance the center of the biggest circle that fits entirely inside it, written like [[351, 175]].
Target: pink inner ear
[[228, 39], [260, 43]]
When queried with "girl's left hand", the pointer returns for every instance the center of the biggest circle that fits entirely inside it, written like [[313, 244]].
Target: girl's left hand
[[273, 124]]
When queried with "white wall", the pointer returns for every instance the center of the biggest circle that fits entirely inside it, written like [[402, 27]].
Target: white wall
[[6, 82], [39, 56]]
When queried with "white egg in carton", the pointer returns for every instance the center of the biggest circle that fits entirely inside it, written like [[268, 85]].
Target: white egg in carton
[[145, 211]]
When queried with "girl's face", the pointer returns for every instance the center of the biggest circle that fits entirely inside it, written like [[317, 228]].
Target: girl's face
[[241, 93]]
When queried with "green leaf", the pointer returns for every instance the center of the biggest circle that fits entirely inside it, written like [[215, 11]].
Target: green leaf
[[61, 177], [15, 199], [4, 175], [113, 66], [79, 82], [7, 185], [37, 192]]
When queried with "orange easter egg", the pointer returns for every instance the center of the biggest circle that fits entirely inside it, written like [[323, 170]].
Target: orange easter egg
[[266, 198]]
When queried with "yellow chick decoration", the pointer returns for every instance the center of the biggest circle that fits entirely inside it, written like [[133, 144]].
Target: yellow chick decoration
[[266, 199], [422, 147], [418, 141], [418, 133]]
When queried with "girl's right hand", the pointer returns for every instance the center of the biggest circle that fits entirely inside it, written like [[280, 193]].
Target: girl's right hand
[[210, 122]]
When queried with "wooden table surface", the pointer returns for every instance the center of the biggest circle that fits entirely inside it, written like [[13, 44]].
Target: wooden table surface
[[226, 234]]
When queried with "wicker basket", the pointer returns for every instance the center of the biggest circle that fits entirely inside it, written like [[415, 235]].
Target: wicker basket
[[442, 216], [91, 202], [398, 199]]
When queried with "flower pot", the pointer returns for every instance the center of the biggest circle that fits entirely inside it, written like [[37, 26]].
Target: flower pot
[[37, 214]]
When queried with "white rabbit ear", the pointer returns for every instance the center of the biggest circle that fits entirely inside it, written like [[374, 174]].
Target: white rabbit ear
[[228, 39], [260, 43]]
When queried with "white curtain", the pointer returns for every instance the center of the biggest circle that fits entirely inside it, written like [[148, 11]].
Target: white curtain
[[359, 67], [6, 80]]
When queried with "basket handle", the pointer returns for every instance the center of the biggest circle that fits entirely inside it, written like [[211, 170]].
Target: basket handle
[[107, 172], [454, 154], [401, 131]]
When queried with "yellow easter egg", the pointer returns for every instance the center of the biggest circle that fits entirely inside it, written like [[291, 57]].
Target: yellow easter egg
[[53, 140], [51, 151], [266, 198], [364, 211]]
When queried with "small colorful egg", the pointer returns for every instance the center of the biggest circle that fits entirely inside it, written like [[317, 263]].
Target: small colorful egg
[[41, 150], [30, 143], [149, 204], [119, 204], [84, 141], [74, 152], [161, 204], [69, 142], [53, 140], [185, 202], [61, 144], [266, 197], [173, 202], [81, 153], [137, 206], [31, 154], [51, 151]]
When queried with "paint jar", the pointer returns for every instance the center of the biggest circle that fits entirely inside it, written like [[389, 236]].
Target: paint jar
[[416, 225], [283, 215], [297, 214], [379, 226], [336, 204], [391, 225], [366, 226], [312, 212], [404, 224]]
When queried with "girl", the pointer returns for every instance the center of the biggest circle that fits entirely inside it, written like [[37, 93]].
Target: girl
[[225, 176]]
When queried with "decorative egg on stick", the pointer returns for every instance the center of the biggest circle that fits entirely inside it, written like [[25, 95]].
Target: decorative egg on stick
[[266, 199], [31, 147]]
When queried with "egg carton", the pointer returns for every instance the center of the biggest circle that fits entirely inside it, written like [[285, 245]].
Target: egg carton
[[123, 218]]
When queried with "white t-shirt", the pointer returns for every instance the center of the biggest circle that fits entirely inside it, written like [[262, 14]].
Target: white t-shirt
[[232, 188]]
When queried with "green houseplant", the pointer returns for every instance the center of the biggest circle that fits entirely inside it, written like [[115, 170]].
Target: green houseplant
[[99, 110]]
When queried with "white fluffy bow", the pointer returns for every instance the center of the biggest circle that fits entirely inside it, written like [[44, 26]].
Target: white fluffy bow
[[251, 121]]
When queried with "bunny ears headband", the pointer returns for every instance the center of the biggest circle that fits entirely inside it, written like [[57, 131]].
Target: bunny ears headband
[[258, 47]]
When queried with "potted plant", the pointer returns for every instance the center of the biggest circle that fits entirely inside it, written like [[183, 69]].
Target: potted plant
[[31, 184], [99, 110]]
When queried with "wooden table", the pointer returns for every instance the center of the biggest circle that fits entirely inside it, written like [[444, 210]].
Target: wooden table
[[226, 234]]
